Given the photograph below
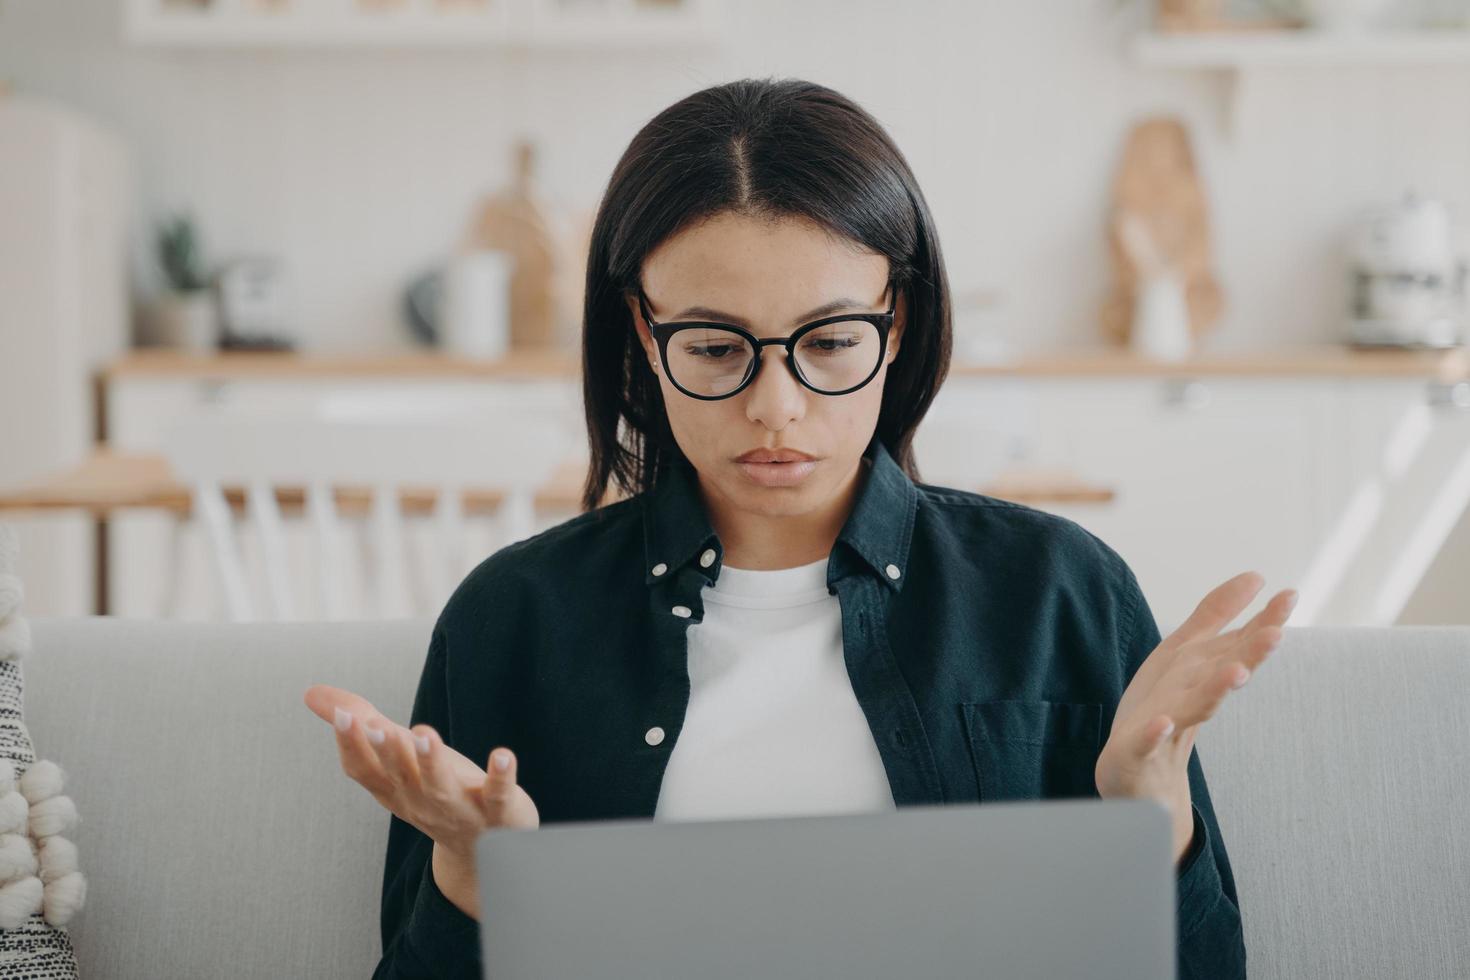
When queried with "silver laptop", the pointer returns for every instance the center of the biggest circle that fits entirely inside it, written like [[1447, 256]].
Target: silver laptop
[[1036, 889]]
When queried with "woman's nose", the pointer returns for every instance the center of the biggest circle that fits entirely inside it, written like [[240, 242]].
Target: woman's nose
[[775, 397]]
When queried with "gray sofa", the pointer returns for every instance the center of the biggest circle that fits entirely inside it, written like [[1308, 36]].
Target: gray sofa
[[222, 840]]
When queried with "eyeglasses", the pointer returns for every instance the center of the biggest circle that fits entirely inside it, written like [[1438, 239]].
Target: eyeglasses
[[831, 356]]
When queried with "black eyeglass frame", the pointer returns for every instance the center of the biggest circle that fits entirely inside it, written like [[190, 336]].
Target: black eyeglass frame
[[663, 331]]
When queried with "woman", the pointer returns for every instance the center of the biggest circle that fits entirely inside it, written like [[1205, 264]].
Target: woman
[[821, 633]]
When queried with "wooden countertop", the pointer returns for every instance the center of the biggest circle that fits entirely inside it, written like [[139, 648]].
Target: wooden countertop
[[109, 481], [258, 365], [1446, 366]]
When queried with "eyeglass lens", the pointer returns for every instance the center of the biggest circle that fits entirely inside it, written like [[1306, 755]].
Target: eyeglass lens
[[712, 361]]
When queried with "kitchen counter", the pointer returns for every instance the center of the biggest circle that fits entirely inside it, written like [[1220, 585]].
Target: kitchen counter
[[1284, 441]]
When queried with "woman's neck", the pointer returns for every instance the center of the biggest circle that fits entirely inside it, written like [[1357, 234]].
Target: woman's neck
[[766, 542]]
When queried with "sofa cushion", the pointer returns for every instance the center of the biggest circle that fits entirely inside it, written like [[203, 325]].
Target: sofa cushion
[[222, 838], [1341, 786]]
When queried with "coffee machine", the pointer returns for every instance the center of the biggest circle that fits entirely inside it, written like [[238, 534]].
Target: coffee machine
[[1409, 268]]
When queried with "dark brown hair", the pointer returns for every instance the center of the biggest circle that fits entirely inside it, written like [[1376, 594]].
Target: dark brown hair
[[769, 149]]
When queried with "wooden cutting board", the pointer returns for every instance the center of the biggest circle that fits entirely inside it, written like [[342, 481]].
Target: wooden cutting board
[[1157, 181], [514, 220]]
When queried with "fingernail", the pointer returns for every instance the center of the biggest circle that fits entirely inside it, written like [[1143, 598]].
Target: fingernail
[[1240, 681], [502, 761], [343, 720], [1291, 603], [1168, 730], [422, 743], [375, 735]]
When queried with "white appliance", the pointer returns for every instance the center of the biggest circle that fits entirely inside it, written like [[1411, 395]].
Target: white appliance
[[65, 193], [1409, 270]]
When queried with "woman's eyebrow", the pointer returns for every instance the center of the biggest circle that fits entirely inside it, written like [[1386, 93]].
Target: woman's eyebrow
[[706, 313]]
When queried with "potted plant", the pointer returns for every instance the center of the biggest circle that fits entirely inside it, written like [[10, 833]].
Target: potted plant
[[184, 314]]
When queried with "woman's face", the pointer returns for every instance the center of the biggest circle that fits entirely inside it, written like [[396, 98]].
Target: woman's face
[[771, 276]]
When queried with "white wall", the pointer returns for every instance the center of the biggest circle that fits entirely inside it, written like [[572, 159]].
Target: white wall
[[362, 167]]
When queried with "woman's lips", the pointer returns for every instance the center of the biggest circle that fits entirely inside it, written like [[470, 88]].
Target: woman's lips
[[779, 474]]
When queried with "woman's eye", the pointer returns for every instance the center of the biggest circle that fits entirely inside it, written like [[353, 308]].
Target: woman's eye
[[829, 344], [712, 351]]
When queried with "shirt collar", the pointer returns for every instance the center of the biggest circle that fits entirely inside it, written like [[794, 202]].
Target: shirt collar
[[677, 530]]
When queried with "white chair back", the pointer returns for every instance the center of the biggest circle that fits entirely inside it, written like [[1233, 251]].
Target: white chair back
[[383, 450]]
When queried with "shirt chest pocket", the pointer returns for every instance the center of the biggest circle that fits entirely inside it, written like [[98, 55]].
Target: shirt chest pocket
[[1031, 750]]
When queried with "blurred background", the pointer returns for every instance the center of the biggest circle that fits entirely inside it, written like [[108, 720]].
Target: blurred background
[[290, 289]]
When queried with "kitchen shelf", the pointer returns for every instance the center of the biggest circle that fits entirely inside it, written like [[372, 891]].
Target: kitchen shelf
[[521, 24], [1291, 48], [1240, 54]]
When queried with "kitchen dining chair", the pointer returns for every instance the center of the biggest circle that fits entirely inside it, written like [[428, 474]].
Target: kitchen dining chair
[[324, 451]]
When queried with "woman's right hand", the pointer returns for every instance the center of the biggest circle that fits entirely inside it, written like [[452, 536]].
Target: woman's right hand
[[424, 782]]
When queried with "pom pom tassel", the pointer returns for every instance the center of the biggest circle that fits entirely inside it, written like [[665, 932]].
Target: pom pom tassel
[[17, 857], [52, 816], [19, 900], [64, 897], [64, 887], [58, 858], [41, 781], [14, 813], [15, 638]]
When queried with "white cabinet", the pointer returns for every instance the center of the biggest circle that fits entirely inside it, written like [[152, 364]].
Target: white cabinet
[[1345, 489], [1213, 477], [1400, 505], [139, 409]]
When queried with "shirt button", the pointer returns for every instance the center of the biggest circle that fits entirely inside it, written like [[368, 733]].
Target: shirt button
[[708, 558], [660, 568], [654, 735], [683, 612], [892, 571]]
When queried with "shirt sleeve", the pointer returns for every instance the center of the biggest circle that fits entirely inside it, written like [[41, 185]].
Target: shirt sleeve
[[425, 935], [1211, 943]]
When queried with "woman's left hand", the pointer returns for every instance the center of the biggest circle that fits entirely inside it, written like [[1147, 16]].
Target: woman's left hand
[[1180, 685]]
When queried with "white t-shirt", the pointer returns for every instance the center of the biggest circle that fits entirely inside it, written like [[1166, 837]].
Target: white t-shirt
[[773, 727]]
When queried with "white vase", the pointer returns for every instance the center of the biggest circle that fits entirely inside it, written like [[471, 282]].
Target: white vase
[[1161, 320], [184, 321], [475, 321]]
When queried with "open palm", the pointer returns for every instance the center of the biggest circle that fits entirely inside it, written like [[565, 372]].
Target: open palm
[[1179, 686], [413, 774]]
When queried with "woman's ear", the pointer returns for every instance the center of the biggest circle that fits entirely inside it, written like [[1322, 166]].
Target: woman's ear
[[645, 337], [895, 335]]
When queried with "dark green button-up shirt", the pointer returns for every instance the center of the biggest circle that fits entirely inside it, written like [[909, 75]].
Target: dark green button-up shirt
[[988, 644]]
